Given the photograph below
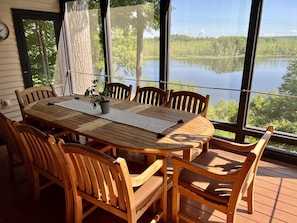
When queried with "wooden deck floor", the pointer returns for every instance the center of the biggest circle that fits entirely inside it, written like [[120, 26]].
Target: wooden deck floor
[[275, 200]]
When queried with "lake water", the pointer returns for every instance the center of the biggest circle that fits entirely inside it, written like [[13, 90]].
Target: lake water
[[267, 76]]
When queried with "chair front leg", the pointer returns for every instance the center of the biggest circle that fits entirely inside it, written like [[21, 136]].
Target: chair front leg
[[175, 204], [250, 198], [175, 194]]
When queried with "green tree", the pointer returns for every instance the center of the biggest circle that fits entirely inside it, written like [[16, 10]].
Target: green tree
[[290, 79], [279, 111], [288, 87], [42, 50], [133, 21], [225, 110], [126, 25]]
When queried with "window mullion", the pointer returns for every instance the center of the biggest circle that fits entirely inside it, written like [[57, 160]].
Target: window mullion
[[253, 33]]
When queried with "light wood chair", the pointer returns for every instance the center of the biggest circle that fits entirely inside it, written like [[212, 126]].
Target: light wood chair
[[154, 96], [11, 139], [151, 95], [44, 159], [119, 91], [217, 180], [32, 94], [189, 101], [105, 182]]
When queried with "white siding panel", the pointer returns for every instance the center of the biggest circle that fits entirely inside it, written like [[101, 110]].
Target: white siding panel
[[10, 70], [38, 5]]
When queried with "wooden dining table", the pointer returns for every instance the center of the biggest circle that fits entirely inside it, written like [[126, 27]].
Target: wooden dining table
[[189, 130]]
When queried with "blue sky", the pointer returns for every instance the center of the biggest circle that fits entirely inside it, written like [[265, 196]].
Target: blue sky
[[230, 17]]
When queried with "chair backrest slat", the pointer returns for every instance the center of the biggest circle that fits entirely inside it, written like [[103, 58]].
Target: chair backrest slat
[[151, 95], [119, 91], [189, 101]]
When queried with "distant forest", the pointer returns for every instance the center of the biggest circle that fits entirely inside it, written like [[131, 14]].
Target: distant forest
[[182, 46]]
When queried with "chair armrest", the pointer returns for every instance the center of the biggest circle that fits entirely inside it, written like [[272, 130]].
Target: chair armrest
[[202, 170], [232, 145], [147, 173]]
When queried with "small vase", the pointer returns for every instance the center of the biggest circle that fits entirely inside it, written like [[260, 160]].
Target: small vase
[[105, 106]]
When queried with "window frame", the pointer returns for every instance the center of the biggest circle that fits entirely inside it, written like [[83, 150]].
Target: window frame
[[239, 129], [18, 16]]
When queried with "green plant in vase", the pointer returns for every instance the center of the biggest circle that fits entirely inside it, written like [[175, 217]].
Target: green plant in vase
[[97, 97]]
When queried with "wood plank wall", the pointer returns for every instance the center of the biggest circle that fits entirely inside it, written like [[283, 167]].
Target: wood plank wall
[[10, 70]]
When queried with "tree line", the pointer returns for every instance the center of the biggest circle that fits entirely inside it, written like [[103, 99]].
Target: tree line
[[182, 46]]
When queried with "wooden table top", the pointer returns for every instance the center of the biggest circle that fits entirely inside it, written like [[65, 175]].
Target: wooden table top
[[194, 131]]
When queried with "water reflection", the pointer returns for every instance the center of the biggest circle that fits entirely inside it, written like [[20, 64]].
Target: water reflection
[[218, 66], [218, 73]]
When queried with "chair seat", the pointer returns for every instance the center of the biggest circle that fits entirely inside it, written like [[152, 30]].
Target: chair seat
[[208, 188], [147, 190]]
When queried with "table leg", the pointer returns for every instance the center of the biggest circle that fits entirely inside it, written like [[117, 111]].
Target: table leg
[[187, 154], [150, 158]]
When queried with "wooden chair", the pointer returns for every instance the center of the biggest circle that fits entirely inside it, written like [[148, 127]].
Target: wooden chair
[[217, 180], [32, 94], [14, 153], [119, 91], [44, 159], [154, 96], [189, 101], [105, 182], [151, 95]]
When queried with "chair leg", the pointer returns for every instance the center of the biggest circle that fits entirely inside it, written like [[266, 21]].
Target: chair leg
[[175, 204], [231, 217], [187, 154], [11, 165], [150, 158], [250, 198], [36, 185], [205, 147], [114, 152], [78, 209], [69, 206]]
